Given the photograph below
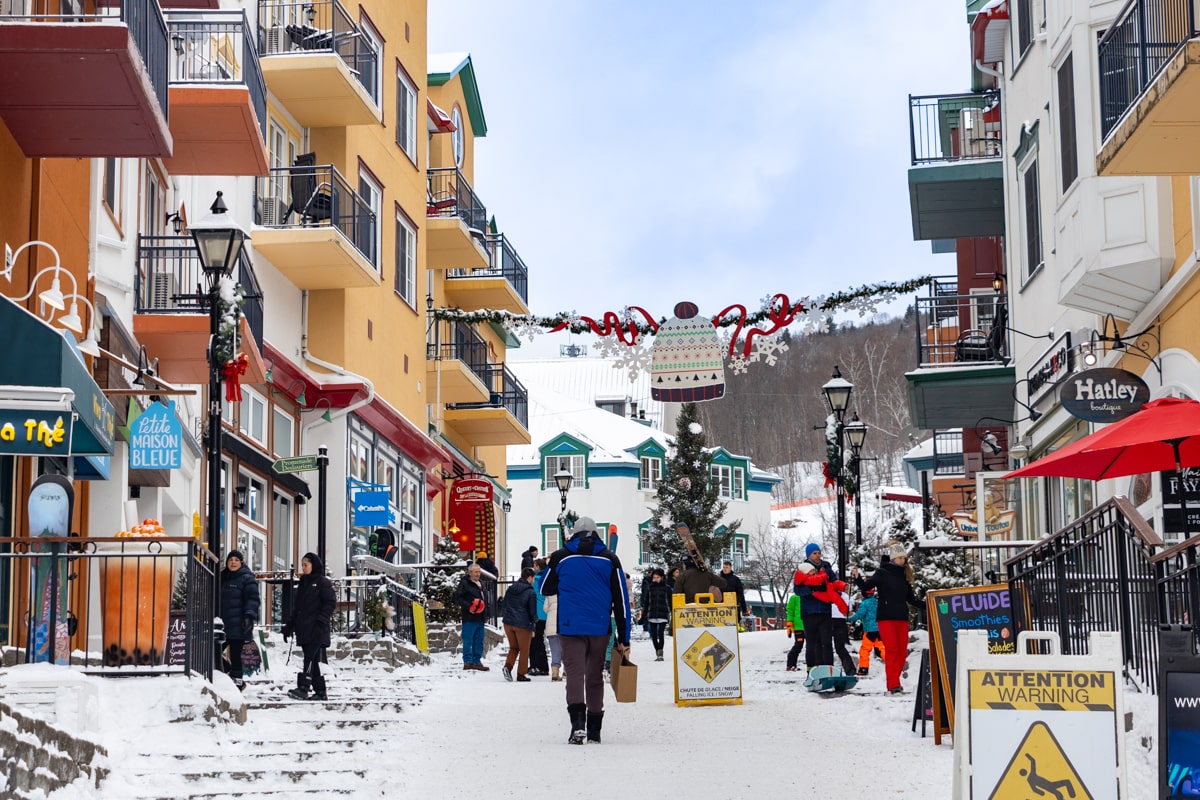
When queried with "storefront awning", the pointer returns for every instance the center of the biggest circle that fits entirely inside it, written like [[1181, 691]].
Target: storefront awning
[[36, 354], [989, 33], [439, 120]]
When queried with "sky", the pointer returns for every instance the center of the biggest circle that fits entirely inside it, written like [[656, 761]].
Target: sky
[[645, 153]]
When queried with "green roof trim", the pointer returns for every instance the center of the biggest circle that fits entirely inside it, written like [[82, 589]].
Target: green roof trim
[[466, 72], [511, 341]]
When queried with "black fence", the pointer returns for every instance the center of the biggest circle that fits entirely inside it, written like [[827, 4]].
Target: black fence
[[954, 127], [217, 47], [466, 346], [316, 195], [1178, 576], [1135, 48], [170, 280], [314, 27], [962, 329], [450, 195], [111, 606], [1094, 575], [506, 392]]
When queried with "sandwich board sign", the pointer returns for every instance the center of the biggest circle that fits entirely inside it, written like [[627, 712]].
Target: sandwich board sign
[[708, 665], [1043, 725]]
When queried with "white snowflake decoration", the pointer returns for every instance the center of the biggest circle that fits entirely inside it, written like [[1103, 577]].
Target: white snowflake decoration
[[738, 364], [768, 348], [696, 428]]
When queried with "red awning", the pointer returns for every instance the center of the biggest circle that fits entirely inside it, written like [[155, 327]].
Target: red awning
[[900, 494], [439, 121], [989, 33]]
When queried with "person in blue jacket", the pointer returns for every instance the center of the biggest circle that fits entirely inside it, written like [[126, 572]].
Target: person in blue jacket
[[865, 613], [537, 646], [590, 585]]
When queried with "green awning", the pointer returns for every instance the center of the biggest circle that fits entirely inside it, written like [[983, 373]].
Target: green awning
[[33, 353]]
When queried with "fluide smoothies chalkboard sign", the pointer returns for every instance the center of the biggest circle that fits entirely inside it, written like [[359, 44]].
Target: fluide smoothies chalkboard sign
[[973, 608]]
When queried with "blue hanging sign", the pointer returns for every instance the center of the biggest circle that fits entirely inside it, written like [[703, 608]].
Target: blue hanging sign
[[370, 508], [156, 439]]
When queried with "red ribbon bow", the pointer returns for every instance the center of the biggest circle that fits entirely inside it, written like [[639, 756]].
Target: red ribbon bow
[[230, 372]]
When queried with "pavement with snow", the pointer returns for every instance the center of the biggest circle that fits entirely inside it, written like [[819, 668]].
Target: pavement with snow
[[436, 730]]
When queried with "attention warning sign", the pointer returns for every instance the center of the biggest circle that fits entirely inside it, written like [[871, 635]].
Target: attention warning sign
[[1040, 768], [1042, 690], [707, 665], [707, 656]]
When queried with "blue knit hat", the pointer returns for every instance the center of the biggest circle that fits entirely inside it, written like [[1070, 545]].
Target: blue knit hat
[[811, 548]]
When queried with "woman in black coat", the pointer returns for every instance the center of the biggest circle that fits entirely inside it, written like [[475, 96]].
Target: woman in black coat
[[311, 612], [239, 610], [895, 594], [656, 609]]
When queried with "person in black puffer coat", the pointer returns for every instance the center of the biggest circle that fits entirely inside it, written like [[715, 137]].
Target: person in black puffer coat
[[528, 557], [520, 618], [239, 610], [656, 609], [311, 613], [895, 594]]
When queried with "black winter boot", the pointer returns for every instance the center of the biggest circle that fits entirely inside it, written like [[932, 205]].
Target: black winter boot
[[578, 712], [594, 720], [318, 689], [302, 685]]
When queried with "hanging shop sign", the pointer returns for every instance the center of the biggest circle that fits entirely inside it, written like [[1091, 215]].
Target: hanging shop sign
[[1046, 372], [1176, 488], [34, 433], [1103, 394], [473, 511], [370, 508], [156, 439]]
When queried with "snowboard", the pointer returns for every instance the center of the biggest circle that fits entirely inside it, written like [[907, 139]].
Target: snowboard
[[827, 678], [51, 501]]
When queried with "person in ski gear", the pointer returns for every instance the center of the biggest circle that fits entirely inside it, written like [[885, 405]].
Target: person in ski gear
[[312, 612], [795, 631], [871, 641], [239, 610], [473, 600], [895, 594], [520, 618], [818, 586]]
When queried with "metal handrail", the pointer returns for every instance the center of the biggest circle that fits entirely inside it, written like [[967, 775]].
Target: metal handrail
[[956, 330], [450, 195], [316, 196], [217, 47], [954, 127], [315, 27]]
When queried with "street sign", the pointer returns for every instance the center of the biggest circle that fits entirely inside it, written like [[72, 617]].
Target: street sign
[[294, 464]]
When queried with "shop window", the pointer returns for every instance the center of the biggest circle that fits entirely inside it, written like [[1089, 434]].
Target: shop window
[[253, 416], [283, 434]]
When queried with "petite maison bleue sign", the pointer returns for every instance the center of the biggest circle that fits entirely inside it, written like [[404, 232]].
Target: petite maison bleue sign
[[1103, 394]]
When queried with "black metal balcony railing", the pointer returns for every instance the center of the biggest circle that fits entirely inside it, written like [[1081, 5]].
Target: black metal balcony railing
[[506, 392], [354, 590], [123, 606], [962, 329], [1094, 575], [954, 127], [1135, 48], [947, 452], [450, 195], [169, 280], [465, 346], [318, 26], [147, 29], [316, 196], [217, 47], [505, 263], [1177, 571]]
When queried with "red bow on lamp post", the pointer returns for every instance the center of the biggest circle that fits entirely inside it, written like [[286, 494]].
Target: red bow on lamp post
[[232, 370]]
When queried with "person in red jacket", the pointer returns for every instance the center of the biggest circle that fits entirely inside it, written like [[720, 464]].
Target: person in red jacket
[[818, 587], [895, 594]]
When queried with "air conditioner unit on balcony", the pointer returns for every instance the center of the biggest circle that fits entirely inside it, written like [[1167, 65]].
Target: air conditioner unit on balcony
[[272, 211], [277, 41], [163, 289]]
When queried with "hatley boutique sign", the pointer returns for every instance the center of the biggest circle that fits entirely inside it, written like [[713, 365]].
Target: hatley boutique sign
[[1103, 394]]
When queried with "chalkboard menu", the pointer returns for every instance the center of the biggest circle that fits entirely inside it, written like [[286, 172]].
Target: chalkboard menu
[[177, 639], [976, 608], [923, 700]]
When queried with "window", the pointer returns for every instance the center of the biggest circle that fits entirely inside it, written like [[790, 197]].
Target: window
[[360, 458], [551, 538], [739, 483], [281, 533], [406, 115], [112, 187], [651, 473], [730, 481], [456, 137], [1033, 223], [253, 416], [252, 499], [1068, 155], [410, 493], [406, 260], [370, 58], [1024, 25], [366, 235], [574, 464], [282, 434], [644, 554], [153, 219]]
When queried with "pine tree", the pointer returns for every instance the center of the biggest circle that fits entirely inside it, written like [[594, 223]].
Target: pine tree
[[946, 569], [441, 582], [687, 495]]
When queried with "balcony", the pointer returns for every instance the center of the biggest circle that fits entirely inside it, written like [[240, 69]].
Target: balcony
[[315, 229], [85, 85], [459, 370], [504, 285], [318, 64], [963, 366], [956, 184], [456, 223], [1149, 62], [218, 98], [502, 419], [171, 315]]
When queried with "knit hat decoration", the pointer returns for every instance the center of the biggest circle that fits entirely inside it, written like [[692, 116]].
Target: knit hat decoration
[[686, 364]]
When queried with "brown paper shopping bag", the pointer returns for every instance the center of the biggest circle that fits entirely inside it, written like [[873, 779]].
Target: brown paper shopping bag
[[623, 676]]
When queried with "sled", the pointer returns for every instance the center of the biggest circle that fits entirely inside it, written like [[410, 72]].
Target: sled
[[827, 678]]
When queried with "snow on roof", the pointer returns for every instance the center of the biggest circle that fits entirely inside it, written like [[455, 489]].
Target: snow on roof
[[440, 63], [590, 378]]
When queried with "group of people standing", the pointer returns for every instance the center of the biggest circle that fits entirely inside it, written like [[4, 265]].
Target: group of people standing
[[818, 619]]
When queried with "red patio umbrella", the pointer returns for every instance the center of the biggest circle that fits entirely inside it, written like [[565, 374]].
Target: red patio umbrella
[[1163, 435]]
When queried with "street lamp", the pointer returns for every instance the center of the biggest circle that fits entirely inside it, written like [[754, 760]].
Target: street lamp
[[219, 240], [856, 433], [837, 395], [563, 479]]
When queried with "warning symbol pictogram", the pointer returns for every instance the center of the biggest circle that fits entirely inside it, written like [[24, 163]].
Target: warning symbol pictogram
[[708, 656], [1040, 769]]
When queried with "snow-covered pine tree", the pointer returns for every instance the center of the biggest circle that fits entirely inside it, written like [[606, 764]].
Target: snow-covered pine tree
[[687, 495], [441, 583], [946, 569]]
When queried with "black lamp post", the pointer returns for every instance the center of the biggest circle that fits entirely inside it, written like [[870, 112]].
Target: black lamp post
[[837, 395], [856, 434], [219, 240], [563, 479]]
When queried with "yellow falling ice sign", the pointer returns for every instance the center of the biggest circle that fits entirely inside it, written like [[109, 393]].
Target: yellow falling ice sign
[[1039, 768], [708, 656]]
